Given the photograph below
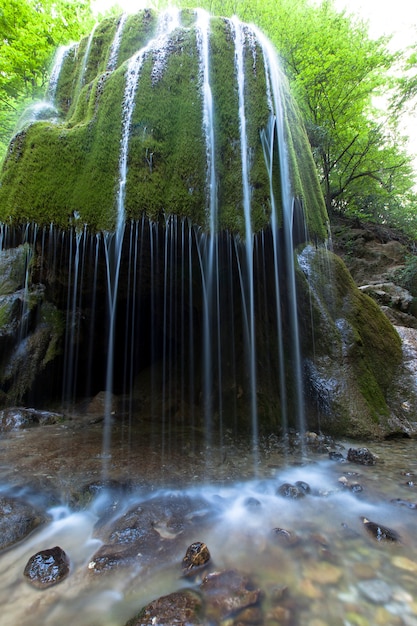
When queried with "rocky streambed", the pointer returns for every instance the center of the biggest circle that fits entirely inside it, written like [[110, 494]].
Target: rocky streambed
[[306, 531]]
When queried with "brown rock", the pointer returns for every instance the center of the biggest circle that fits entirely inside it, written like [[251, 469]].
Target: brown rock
[[196, 558], [182, 608], [47, 567]]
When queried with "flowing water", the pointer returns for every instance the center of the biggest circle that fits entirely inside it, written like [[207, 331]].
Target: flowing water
[[334, 573], [114, 50]]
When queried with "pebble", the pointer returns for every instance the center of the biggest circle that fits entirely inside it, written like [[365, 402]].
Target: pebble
[[323, 573], [355, 619], [397, 608], [404, 563], [363, 571], [309, 590], [375, 590]]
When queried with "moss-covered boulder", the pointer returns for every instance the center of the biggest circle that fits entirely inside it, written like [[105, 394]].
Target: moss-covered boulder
[[353, 353], [144, 79]]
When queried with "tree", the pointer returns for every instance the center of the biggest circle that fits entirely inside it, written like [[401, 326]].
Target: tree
[[30, 32]]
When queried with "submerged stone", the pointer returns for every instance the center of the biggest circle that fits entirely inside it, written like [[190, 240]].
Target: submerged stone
[[376, 590], [228, 593], [182, 608], [143, 533]]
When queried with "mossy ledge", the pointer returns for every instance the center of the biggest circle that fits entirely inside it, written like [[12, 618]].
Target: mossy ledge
[[68, 167]]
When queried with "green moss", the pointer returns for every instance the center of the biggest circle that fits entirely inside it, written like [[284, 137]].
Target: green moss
[[53, 319], [257, 119], [138, 30], [4, 315], [56, 170], [227, 149], [372, 347], [166, 165]]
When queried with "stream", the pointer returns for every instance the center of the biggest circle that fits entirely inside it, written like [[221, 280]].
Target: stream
[[324, 566]]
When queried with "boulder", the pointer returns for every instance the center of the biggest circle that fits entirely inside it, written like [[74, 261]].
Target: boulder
[[17, 520], [18, 417], [362, 456], [181, 608]]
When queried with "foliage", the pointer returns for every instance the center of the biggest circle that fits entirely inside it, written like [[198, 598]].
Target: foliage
[[30, 32], [407, 276]]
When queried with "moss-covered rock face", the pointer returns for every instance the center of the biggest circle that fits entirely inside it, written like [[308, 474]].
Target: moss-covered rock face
[[353, 353], [66, 166], [162, 189], [30, 327]]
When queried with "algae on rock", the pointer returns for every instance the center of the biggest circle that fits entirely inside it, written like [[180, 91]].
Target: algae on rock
[[353, 352]]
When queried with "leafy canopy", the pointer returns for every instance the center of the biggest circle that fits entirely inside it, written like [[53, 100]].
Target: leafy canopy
[[30, 32]]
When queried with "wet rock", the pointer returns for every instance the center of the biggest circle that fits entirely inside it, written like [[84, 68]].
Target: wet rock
[[228, 594], [379, 532], [336, 456], [286, 490], [405, 503], [182, 608], [354, 486], [143, 532], [17, 520], [285, 537], [361, 455], [100, 403], [402, 562], [111, 492], [323, 573], [303, 487], [113, 557], [17, 417], [252, 503], [196, 558], [47, 567], [375, 590]]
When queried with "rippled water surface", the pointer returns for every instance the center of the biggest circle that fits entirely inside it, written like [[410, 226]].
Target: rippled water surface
[[332, 571]]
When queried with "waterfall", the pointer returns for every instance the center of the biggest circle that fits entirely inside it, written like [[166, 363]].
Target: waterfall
[[247, 277], [168, 21], [83, 70], [56, 70], [272, 136], [208, 251], [114, 50], [184, 313]]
